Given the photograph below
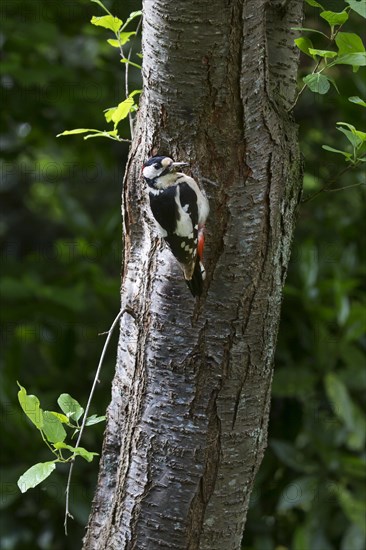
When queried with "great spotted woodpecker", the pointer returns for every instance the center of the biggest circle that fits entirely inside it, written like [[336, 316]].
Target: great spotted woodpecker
[[180, 210]]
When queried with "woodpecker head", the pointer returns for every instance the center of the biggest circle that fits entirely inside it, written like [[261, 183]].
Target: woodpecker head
[[160, 172]]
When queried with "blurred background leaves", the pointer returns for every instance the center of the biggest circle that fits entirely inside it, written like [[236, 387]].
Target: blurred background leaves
[[61, 231]]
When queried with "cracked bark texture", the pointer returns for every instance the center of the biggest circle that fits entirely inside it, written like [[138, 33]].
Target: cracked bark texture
[[187, 423]]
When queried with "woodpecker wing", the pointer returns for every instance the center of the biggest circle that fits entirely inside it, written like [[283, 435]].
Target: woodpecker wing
[[175, 210]]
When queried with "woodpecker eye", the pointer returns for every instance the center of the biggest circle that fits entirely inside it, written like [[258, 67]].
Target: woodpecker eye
[[157, 166]]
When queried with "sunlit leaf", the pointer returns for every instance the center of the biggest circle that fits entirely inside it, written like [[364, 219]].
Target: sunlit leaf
[[35, 475], [31, 406], [79, 451], [62, 417], [123, 38], [77, 131], [132, 16], [122, 110], [108, 22]]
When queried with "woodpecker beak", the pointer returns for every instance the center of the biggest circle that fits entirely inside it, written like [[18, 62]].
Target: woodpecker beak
[[176, 165]]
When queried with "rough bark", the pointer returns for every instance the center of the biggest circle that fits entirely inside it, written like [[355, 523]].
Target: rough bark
[[187, 424]]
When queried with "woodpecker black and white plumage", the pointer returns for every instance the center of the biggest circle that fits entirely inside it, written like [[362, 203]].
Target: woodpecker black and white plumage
[[180, 210]]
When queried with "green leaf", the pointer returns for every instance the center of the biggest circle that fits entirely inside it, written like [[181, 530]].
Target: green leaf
[[355, 59], [352, 138], [77, 131], [349, 42], [357, 100], [31, 406], [360, 137], [304, 44], [108, 22], [127, 61], [113, 134], [79, 451], [354, 509], [322, 53], [108, 113], [60, 416], [122, 110], [123, 38], [135, 92], [317, 83], [332, 150], [94, 419], [359, 6], [132, 16], [35, 475], [113, 42], [334, 18], [53, 428], [347, 411], [70, 406], [314, 4]]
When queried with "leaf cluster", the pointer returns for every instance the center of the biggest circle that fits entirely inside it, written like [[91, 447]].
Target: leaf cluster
[[350, 49], [128, 105], [51, 425]]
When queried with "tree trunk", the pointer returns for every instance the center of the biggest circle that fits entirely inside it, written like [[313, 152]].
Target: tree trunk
[[187, 424]]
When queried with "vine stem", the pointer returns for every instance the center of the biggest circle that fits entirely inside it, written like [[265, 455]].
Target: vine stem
[[95, 381]]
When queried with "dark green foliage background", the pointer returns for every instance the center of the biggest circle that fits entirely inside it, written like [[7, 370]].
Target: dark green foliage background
[[60, 275]]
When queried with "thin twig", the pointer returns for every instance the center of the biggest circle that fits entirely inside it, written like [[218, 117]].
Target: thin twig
[[345, 187], [96, 379], [329, 184]]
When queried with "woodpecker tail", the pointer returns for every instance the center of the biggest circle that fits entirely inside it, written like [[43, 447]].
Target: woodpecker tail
[[195, 283]]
